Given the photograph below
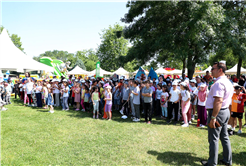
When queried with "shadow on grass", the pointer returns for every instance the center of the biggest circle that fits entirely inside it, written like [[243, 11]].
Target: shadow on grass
[[237, 158], [176, 158]]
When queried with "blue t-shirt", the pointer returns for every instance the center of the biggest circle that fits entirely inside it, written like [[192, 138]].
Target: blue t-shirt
[[87, 97]]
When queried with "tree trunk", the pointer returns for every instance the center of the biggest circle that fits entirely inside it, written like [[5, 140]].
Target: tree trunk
[[191, 65], [239, 65], [184, 66]]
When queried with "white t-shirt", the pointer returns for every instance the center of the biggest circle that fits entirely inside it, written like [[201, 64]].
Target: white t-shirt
[[20, 86], [24, 87], [66, 94], [48, 85], [38, 89], [174, 95], [136, 98], [158, 94], [29, 87], [193, 89], [165, 94], [56, 89], [199, 102], [185, 95]]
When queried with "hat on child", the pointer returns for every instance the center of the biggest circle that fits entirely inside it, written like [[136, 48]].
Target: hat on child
[[183, 84], [175, 83], [194, 81], [203, 85], [109, 87]]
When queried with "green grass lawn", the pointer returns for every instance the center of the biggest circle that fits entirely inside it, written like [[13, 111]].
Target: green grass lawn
[[31, 136]]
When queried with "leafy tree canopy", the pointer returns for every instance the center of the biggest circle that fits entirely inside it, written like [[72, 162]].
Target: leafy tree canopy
[[111, 48]]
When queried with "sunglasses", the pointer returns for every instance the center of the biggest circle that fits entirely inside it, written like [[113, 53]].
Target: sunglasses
[[213, 69]]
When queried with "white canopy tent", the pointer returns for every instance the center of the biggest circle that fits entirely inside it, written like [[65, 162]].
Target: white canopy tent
[[162, 71], [234, 70], [178, 72], [121, 71], [204, 71], [13, 59], [77, 70], [102, 72]]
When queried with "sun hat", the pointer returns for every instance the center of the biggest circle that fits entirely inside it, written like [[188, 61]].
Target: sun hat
[[64, 80], [183, 84], [203, 85], [175, 83], [109, 87], [194, 81]]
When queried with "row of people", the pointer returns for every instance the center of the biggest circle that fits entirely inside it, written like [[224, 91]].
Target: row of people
[[175, 102]]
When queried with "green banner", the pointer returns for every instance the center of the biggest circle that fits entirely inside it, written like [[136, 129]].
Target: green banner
[[98, 69]]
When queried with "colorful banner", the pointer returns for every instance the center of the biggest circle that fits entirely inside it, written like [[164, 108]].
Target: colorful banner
[[98, 69]]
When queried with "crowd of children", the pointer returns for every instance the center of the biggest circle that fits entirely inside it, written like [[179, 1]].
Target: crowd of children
[[174, 100]]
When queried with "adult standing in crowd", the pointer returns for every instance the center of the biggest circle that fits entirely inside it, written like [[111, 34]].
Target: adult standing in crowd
[[207, 76], [217, 105]]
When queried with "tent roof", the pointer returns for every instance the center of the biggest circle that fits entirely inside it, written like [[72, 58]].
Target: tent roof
[[121, 71], [102, 72], [204, 71], [77, 70], [161, 70], [233, 70], [12, 58], [178, 72]]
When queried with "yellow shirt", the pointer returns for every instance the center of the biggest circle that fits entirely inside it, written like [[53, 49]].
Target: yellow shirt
[[83, 94], [95, 96], [101, 92]]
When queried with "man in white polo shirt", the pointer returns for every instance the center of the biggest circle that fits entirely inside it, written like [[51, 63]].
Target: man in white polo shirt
[[217, 105]]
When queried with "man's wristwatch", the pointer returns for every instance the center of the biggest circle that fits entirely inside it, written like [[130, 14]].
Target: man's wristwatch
[[212, 117]]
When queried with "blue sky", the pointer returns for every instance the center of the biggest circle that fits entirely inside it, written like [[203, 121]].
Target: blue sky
[[68, 26]]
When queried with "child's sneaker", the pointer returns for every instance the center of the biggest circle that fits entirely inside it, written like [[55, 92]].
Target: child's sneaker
[[193, 117], [239, 132], [121, 112], [149, 122], [185, 125], [97, 116], [83, 110], [202, 126], [67, 109], [4, 109], [190, 122], [51, 111], [244, 125], [93, 116], [233, 128]]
